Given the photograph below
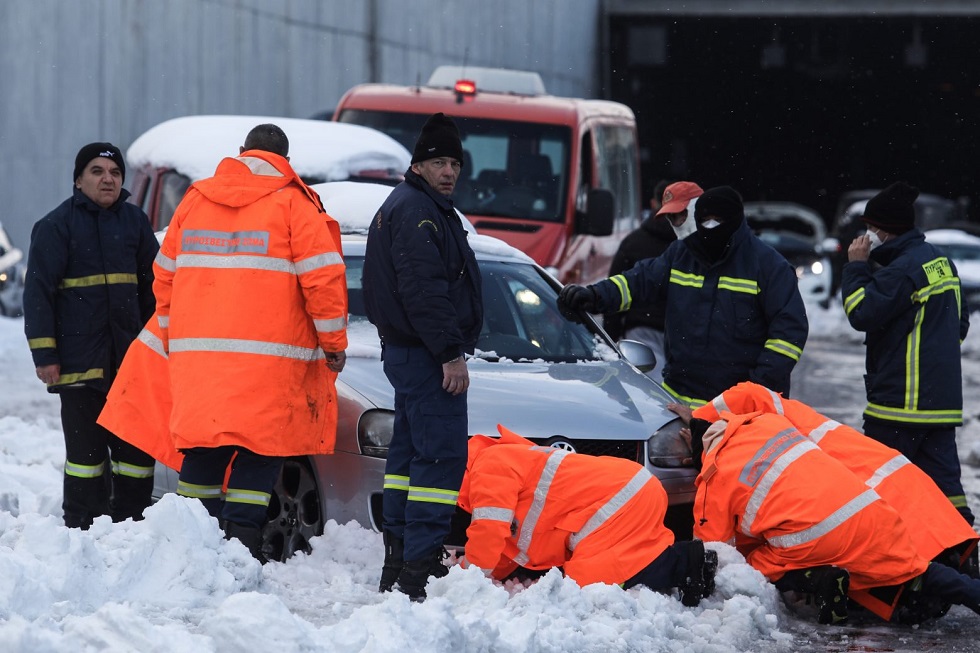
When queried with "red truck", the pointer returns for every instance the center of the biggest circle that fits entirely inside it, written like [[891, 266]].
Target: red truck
[[556, 177]]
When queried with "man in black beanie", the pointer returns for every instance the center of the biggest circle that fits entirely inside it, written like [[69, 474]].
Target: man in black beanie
[[422, 291], [733, 309], [915, 316], [87, 295]]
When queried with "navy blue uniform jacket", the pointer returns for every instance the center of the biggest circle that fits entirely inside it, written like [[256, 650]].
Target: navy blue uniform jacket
[[89, 288], [739, 319], [421, 280], [915, 317]]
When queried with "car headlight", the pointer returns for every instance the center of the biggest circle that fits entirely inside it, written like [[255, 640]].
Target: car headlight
[[815, 268], [374, 431], [667, 448]]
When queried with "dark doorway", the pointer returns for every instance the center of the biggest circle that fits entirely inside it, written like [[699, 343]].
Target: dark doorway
[[802, 108]]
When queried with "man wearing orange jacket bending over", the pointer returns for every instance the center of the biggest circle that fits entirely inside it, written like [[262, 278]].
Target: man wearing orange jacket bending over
[[599, 518], [806, 521]]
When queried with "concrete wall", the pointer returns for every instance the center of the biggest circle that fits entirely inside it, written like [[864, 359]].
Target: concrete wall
[[72, 72]]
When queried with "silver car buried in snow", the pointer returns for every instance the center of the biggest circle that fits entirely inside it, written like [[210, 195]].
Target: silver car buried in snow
[[553, 381]]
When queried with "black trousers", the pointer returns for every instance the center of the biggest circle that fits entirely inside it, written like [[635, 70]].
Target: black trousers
[[251, 482], [122, 488]]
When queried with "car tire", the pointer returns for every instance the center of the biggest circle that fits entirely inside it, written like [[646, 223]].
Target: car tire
[[295, 515]]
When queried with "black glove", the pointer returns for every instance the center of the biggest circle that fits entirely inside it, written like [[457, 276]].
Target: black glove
[[574, 300]]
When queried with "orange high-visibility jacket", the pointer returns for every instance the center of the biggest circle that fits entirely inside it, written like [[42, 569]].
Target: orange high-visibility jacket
[[250, 288], [138, 406], [598, 517], [933, 522], [768, 482]]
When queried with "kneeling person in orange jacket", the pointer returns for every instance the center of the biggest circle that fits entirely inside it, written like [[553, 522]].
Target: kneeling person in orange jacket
[[598, 518], [804, 520]]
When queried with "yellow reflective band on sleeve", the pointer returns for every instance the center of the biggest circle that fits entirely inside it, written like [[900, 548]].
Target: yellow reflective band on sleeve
[[250, 497], [690, 402], [84, 471], [852, 300], [747, 286], [42, 343], [625, 298], [912, 416], [948, 285], [785, 348], [432, 495], [98, 280], [77, 377], [395, 482], [686, 279], [958, 500], [193, 491]]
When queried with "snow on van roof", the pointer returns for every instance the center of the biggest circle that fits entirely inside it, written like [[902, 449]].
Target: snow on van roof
[[354, 205], [194, 145]]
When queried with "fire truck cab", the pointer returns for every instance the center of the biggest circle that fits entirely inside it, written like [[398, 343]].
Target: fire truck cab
[[556, 177]]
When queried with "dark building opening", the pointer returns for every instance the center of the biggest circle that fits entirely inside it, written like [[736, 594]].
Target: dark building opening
[[802, 108]]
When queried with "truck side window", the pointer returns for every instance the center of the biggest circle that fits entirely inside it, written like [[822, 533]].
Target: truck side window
[[615, 147], [172, 189]]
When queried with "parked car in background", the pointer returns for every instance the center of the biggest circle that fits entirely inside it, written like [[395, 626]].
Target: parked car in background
[[963, 249], [931, 212], [165, 160], [13, 273], [799, 234], [553, 381]]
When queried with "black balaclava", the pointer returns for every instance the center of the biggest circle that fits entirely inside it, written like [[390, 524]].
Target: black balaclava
[[725, 204]]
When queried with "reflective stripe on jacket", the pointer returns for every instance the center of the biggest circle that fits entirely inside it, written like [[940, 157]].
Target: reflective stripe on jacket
[[88, 290], [138, 407], [933, 522], [915, 317], [740, 319], [251, 291], [801, 508], [600, 518]]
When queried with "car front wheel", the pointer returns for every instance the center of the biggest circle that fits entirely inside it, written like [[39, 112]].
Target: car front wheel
[[295, 514]]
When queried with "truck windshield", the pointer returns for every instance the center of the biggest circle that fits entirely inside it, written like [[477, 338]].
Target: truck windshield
[[510, 169]]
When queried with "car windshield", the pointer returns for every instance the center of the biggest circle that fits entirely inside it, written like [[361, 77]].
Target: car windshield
[[960, 251], [521, 321], [510, 169]]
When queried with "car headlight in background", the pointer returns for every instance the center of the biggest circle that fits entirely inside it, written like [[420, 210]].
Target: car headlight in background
[[374, 431], [667, 448], [815, 268]]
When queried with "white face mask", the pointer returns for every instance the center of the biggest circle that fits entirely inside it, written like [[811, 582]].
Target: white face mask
[[686, 228], [875, 239], [710, 223]]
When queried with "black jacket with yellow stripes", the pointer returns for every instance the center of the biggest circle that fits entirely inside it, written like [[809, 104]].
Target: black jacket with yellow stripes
[[89, 288], [740, 318], [915, 317]]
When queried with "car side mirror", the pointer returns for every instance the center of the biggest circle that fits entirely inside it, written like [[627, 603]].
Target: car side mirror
[[829, 246], [639, 354], [597, 220]]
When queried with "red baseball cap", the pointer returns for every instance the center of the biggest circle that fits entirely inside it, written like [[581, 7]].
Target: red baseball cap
[[678, 195]]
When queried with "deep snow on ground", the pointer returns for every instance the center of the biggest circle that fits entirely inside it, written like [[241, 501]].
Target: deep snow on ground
[[172, 583]]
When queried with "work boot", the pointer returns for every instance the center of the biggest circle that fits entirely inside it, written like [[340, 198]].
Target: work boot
[[415, 574], [394, 549], [250, 536], [829, 585], [699, 580], [916, 606]]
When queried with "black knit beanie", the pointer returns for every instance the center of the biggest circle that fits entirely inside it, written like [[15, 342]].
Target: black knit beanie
[[892, 209], [723, 202], [439, 137], [94, 151]]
